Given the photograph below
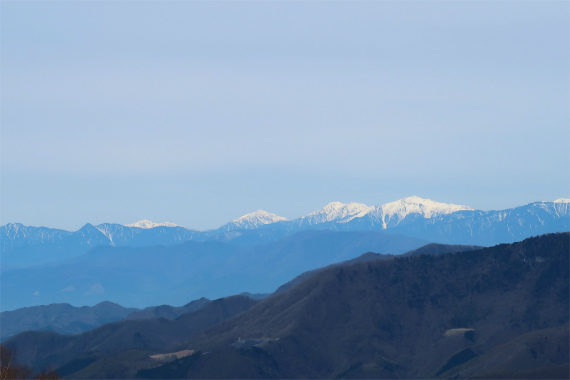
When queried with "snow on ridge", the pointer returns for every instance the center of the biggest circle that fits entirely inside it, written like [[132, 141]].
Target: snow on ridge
[[562, 200], [260, 215], [399, 209], [255, 219], [146, 224], [426, 207], [393, 211], [338, 211], [105, 231]]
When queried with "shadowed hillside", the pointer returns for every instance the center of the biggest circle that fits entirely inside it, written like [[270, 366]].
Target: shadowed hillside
[[128, 337], [428, 249], [499, 312], [414, 317]]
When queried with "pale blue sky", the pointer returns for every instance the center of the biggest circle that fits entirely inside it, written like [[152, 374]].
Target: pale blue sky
[[199, 112]]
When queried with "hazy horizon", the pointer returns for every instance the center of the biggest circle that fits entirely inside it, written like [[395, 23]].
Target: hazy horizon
[[197, 113]]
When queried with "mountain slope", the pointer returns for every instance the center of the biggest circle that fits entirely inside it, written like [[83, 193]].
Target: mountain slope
[[401, 318], [47, 349], [428, 249], [419, 316]]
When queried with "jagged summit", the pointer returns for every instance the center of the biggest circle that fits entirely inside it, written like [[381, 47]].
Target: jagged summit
[[148, 224], [334, 215], [427, 208], [388, 214], [254, 220]]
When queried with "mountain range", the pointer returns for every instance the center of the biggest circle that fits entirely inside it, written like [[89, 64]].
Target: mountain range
[[152, 264], [499, 312], [155, 275], [61, 318], [413, 216], [66, 319]]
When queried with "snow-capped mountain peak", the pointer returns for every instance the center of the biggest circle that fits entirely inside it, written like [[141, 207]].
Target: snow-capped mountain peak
[[427, 208], [337, 211], [562, 200], [148, 224], [255, 219]]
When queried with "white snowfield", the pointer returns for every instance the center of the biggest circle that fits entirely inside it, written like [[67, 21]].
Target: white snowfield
[[427, 208], [337, 211], [255, 219], [388, 215], [148, 224], [394, 211]]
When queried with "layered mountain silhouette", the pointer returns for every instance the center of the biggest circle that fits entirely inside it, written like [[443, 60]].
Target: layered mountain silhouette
[[413, 216], [167, 311], [416, 317], [207, 264], [145, 276], [499, 312], [60, 318], [115, 342], [66, 319]]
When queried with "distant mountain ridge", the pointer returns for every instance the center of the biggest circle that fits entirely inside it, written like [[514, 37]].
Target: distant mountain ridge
[[61, 318], [389, 214], [411, 216], [142, 334]]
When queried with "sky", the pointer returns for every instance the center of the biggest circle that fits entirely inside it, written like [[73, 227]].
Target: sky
[[198, 112]]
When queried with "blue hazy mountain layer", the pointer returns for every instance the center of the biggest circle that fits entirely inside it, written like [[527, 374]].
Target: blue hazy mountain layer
[[23, 246], [174, 275]]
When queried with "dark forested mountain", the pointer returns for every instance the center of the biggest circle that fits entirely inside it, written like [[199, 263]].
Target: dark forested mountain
[[61, 318], [107, 348], [424, 316], [499, 312], [428, 249], [437, 249], [66, 319]]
